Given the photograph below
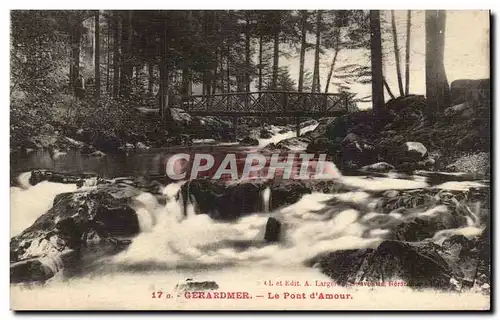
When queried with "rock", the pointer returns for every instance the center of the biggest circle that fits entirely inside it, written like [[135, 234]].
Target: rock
[[417, 264], [98, 154], [107, 142], [273, 230], [323, 145], [78, 222], [417, 229], [180, 117], [390, 193], [286, 192], [378, 167], [415, 150], [466, 90], [409, 152], [308, 123], [350, 138], [322, 128], [463, 110], [212, 127], [410, 167], [141, 146], [294, 144], [40, 175], [190, 285], [249, 141], [402, 102], [265, 134], [231, 201], [356, 154]]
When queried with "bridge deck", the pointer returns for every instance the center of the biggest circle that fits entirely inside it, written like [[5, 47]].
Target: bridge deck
[[283, 103]]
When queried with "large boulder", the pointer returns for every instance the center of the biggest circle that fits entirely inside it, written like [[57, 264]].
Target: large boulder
[[80, 222], [417, 264], [322, 128], [293, 144], [407, 152], [231, 201], [273, 230], [356, 153], [471, 91], [324, 145]]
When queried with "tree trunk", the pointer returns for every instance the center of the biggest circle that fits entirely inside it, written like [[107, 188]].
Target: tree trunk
[[247, 53], [407, 56], [127, 71], [151, 76], [164, 79], [396, 53], [108, 53], [261, 45], [316, 84], [75, 59], [221, 72], [97, 60], [376, 62], [116, 55], [330, 72], [303, 44], [437, 88], [386, 85], [214, 75], [276, 53], [228, 75], [185, 81]]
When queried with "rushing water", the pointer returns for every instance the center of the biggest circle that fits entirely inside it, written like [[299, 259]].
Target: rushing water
[[171, 248]]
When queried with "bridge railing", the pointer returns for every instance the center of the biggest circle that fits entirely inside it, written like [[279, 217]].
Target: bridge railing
[[265, 102]]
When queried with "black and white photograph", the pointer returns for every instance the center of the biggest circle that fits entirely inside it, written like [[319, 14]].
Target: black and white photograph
[[253, 160]]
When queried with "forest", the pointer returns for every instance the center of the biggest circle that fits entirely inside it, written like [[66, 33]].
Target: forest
[[67, 66]]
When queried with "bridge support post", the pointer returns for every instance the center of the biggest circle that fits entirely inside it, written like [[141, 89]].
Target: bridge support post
[[235, 127], [297, 125]]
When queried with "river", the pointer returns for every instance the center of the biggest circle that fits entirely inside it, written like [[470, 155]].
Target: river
[[171, 249]]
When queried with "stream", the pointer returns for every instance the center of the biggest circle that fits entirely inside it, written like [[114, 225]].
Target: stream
[[171, 248]]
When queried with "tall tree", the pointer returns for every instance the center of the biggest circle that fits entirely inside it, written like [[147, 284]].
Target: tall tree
[[75, 39], [437, 88], [108, 51], [97, 56], [116, 54], [396, 53], [376, 62], [164, 78], [276, 49], [303, 44], [407, 56], [316, 77], [336, 49], [127, 69], [247, 50], [261, 60]]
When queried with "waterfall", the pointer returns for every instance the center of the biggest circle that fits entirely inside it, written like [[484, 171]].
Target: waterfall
[[266, 195]]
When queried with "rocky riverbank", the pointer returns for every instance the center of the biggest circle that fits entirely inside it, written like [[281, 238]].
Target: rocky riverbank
[[432, 236], [403, 139]]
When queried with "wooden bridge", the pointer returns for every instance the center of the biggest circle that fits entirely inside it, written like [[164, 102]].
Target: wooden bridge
[[269, 103]]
